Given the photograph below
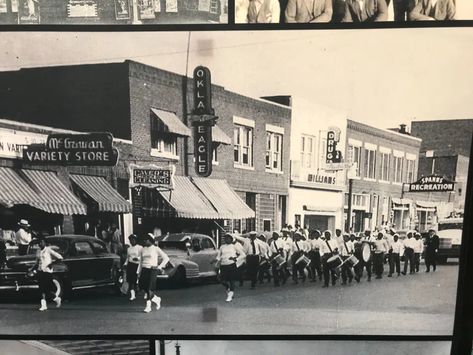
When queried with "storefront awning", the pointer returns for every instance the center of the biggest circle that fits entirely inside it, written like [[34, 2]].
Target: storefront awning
[[54, 196], [399, 201], [172, 122], [426, 204], [99, 190], [188, 201], [14, 190], [224, 199], [219, 136]]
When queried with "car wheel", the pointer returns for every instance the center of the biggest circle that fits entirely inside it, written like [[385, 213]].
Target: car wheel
[[180, 279], [59, 289]]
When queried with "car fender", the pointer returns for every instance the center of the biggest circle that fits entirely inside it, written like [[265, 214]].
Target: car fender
[[176, 263]]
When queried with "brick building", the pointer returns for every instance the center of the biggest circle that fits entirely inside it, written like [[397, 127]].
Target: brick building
[[442, 155], [146, 106], [384, 161]]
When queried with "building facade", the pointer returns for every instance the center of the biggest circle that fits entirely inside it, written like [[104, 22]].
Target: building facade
[[384, 161]]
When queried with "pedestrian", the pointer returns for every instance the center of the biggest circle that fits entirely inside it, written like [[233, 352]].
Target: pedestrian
[[315, 267], [409, 245], [264, 261], [432, 244], [418, 249], [380, 248], [115, 239], [23, 236], [299, 249], [277, 248], [328, 249], [253, 252], [45, 257], [241, 261], [149, 269], [132, 262], [395, 257], [226, 258], [346, 251]]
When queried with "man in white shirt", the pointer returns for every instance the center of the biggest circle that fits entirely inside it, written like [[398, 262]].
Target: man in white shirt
[[264, 260], [395, 259], [409, 245], [253, 252], [23, 237], [264, 11], [287, 239], [299, 248], [346, 251], [315, 267], [368, 238], [418, 249], [277, 247], [380, 249], [45, 257], [328, 249]]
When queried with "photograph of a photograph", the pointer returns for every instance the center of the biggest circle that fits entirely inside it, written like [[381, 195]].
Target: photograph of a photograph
[[233, 183]]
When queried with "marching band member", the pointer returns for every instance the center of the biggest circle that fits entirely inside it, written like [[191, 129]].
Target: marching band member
[[409, 245], [148, 270], [314, 256], [339, 236], [327, 249], [299, 248], [346, 250], [287, 239], [227, 258], [358, 252], [264, 268], [395, 259], [133, 257], [368, 264], [253, 252], [380, 248], [277, 247], [418, 249], [241, 261]]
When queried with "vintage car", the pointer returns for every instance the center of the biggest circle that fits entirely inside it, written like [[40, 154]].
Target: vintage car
[[86, 264], [192, 256]]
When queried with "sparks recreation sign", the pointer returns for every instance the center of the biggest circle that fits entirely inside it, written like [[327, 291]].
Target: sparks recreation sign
[[432, 183], [90, 149]]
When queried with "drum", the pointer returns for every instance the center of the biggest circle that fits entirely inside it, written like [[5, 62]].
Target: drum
[[366, 251], [263, 263], [303, 260], [279, 259], [352, 261], [334, 262]]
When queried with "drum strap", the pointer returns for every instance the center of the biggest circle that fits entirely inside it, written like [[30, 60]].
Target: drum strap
[[346, 247], [297, 246], [329, 247]]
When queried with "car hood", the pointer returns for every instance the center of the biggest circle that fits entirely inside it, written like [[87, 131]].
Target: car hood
[[21, 263]]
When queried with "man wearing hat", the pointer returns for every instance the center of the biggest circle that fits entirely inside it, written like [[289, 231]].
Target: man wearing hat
[[315, 267], [264, 261], [327, 249], [409, 245], [23, 237], [368, 238], [380, 249], [253, 252], [133, 258], [277, 247], [45, 257], [241, 260], [358, 252], [395, 258], [346, 251], [418, 249], [432, 244], [287, 239], [227, 258], [299, 248]]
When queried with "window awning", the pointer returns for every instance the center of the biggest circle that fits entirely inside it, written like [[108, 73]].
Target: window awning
[[188, 201], [224, 199], [399, 201], [99, 190], [172, 122], [54, 196], [219, 136], [426, 204], [14, 190]]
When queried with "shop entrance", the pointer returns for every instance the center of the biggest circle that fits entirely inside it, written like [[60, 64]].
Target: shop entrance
[[321, 223]]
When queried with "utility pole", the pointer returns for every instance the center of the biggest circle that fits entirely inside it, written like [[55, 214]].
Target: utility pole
[[350, 194]]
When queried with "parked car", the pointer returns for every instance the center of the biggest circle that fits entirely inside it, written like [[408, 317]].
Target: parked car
[[449, 246], [192, 256], [86, 264]]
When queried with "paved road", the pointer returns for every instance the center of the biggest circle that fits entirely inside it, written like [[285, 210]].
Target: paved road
[[420, 304]]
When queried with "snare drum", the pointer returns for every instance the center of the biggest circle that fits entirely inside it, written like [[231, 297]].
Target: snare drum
[[334, 262], [366, 251], [263, 263], [303, 260], [352, 261], [279, 260]]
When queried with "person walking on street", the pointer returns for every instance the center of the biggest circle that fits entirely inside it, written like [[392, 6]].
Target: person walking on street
[[45, 257], [277, 248], [132, 263], [241, 261], [346, 251], [409, 245], [264, 260], [328, 249], [368, 238], [380, 249], [253, 252], [149, 269], [299, 249], [115, 239], [395, 257], [227, 258], [432, 244], [418, 249], [23, 237], [315, 267]]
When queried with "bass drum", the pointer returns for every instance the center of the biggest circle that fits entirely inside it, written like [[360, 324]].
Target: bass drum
[[366, 251]]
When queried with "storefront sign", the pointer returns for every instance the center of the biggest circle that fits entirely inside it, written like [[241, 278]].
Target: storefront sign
[[332, 154], [82, 8], [28, 12], [93, 149], [13, 142], [152, 176], [202, 92], [122, 9], [432, 183], [203, 149], [322, 179], [146, 9]]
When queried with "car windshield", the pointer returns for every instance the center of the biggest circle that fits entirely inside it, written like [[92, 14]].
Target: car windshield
[[173, 244], [57, 245]]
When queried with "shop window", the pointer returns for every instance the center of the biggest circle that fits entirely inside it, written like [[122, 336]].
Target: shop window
[[370, 164], [163, 142], [243, 145], [250, 200], [385, 162], [273, 151]]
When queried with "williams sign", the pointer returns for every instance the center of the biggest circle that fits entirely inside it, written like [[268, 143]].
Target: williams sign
[[432, 183]]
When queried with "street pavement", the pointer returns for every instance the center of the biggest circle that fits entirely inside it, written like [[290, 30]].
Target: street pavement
[[420, 304]]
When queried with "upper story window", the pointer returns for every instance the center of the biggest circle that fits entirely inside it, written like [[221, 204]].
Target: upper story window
[[398, 166], [243, 145], [385, 162], [307, 151], [354, 153], [370, 161], [410, 167], [274, 151]]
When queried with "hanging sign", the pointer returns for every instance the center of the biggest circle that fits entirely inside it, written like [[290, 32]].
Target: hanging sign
[[332, 154], [89, 149], [202, 92], [152, 176], [432, 183]]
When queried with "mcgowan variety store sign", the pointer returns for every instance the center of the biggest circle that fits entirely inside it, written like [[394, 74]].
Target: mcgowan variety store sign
[[432, 183], [89, 149]]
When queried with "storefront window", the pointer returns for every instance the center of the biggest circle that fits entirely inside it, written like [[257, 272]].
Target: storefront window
[[243, 145]]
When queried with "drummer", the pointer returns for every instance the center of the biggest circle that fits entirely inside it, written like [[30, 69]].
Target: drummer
[[328, 249], [299, 248], [264, 264], [358, 252], [380, 249], [277, 248], [346, 251], [368, 238], [314, 255], [287, 240]]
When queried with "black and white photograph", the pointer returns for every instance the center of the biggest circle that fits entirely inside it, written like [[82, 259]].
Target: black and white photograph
[[233, 183]]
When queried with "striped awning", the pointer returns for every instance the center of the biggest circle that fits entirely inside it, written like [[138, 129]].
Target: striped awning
[[14, 190], [219, 136], [224, 199], [172, 122], [99, 190], [54, 196], [188, 201]]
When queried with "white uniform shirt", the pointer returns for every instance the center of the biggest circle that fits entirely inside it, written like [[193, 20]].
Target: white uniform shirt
[[150, 257], [45, 258], [226, 253], [381, 246], [23, 237], [396, 247], [300, 245], [419, 246], [324, 248], [316, 244], [248, 247], [346, 248], [410, 243], [264, 247], [133, 254], [277, 246]]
